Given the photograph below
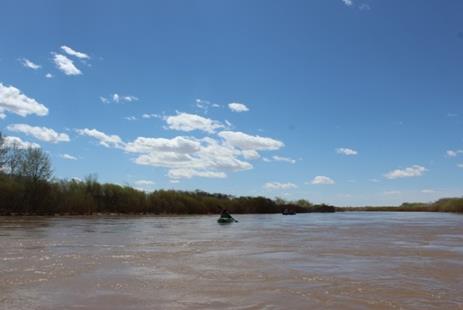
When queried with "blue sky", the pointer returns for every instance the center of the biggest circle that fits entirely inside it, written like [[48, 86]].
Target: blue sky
[[345, 102]]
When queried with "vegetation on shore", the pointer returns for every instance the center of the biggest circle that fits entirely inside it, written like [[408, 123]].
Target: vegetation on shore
[[441, 205], [27, 188]]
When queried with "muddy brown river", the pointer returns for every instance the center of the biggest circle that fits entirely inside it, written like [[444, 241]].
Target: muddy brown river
[[310, 261]]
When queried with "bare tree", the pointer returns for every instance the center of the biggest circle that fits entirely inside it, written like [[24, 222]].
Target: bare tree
[[36, 165], [3, 153]]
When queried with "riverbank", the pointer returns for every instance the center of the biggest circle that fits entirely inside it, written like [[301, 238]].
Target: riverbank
[[452, 205]]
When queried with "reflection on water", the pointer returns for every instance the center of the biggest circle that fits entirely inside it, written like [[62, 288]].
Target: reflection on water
[[344, 260]]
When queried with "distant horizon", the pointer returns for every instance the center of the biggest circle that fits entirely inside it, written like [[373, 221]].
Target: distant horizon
[[348, 103]]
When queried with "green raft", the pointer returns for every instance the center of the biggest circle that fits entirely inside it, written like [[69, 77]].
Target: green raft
[[225, 220]]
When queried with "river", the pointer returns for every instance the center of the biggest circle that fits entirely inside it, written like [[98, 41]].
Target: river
[[351, 260]]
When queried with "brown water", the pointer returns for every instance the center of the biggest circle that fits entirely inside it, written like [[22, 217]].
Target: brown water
[[313, 261]]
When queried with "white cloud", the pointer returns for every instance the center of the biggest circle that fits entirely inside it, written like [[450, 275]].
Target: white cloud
[[187, 157], [129, 98], [364, 7], [278, 185], [205, 105], [150, 115], [48, 75], [119, 98], [104, 139], [66, 65], [322, 180], [190, 122], [452, 153], [247, 142], [144, 183], [346, 151], [250, 154], [182, 145], [40, 133], [413, 171], [238, 107], [348, 2], [189, 173], [209, 156], [428, 191], [29, 64], [20, 144], [130, 118], [184, 157], [12, 100], [68, 157], [104, 100], [75, 53], [284, 159]]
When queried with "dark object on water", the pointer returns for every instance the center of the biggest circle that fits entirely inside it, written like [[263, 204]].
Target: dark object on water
[[225, 218], [287, 212]]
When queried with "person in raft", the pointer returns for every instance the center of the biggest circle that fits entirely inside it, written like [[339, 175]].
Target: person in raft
[[225, 214]]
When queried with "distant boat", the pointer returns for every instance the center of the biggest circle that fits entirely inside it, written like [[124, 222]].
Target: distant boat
[[287, 212]]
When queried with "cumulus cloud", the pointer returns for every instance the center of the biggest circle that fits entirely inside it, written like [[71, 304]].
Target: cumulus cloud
[[413, 171], [48, 75], [29, 64], [130, 118], [248, 142], [452, 153], [40, 133], [238, 107], [284, 159], [104, 139], [183, 145], [278, 185], [18, 143], [66, 65], [191, 122], [208, 156], [250, 154], [346, 151], [68, 157], [348, 2], [184, 157], [12, 100], [322, 180], [75, 53]]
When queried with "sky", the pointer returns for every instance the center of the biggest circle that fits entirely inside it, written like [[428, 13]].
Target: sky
[[348, 102]]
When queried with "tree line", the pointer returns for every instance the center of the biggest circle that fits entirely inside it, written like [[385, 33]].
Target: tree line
[[442, 205], [27, 187]]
